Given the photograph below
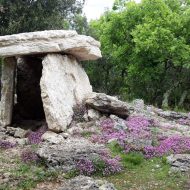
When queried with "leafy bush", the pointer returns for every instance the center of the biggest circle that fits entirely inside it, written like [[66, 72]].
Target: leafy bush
[[132, 159]]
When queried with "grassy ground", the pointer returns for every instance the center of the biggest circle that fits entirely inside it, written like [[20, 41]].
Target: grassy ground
[[146, 174], [138, 173], [15, 175]]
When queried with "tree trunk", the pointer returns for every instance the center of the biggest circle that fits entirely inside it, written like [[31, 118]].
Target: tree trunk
[[182, 99], [165, 101]]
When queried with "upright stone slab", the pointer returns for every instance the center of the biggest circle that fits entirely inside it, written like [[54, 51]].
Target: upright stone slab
[[7, 91], [64, 84]]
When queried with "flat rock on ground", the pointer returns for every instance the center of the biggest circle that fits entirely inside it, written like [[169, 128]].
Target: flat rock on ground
[[86, 183], [65, 155], [179, 162]]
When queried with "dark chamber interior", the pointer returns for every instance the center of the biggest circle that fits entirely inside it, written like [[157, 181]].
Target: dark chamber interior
[[28, 105]]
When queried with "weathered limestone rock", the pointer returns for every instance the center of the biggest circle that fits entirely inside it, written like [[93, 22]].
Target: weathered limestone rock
[[52, 137], [119, 124], [179, 162], [93, 114], [86, 183], [64, 84], [16, 132], [172, 115], [65, 155], [7, 91], [138, 104], [108, 104], [63, 41]]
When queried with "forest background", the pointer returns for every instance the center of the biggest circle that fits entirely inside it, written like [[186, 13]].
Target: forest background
[[145, 46]]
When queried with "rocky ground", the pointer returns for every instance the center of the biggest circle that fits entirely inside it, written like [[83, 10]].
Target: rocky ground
[[109, 145]]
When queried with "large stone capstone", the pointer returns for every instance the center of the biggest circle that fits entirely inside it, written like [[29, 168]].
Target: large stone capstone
[[53, 41], [64, 84]]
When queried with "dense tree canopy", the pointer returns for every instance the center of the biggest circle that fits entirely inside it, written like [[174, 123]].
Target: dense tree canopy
[[18, 16], [146, 50]]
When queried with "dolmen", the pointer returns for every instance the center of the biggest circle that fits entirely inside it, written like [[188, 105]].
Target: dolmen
[[42, 75]]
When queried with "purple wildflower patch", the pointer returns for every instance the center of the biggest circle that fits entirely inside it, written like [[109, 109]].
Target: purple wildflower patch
[[7, 144], [138, 128], [85, 167], [112, 165], [29, 156], [175, 144], [105, 165], [184, 121], [34, 137]]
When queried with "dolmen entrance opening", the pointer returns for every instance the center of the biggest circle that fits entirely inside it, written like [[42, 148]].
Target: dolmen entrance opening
[[42, 77]]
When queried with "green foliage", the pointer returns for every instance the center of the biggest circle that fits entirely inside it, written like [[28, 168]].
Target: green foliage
[[145, 49], [99, 165], [31, 175], [115, 148], [132, 160], [129, 160], [24, 176], [34, 15], [86, 134], [71, 174]]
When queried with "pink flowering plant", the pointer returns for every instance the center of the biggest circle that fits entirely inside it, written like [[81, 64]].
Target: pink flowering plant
[[184, 121], [174, 144], [34, 137], [137, 127], [29, 156], [140, 128], [104, 165], [7, 144]]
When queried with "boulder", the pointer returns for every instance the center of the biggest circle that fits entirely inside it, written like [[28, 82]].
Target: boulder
[[119, 124], [65, 154], [108, 104], [171, 115], [64, 85], [93, 114], [52, 41], [52, 137], [20, 133], [138, 104], [179, 162], [86, 183]]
